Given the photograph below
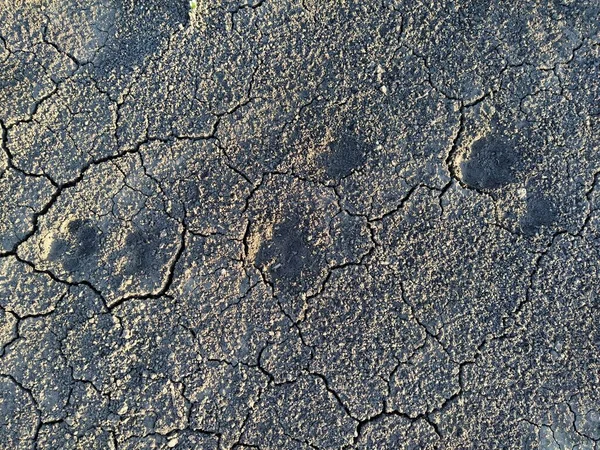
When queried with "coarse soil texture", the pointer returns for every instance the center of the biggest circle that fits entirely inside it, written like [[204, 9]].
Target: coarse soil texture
[[299, 224]]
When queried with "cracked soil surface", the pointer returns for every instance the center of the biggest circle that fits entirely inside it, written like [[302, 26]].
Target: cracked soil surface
[[299, 224]]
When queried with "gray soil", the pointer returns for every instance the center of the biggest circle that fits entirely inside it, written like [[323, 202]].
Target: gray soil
[[317, 224]]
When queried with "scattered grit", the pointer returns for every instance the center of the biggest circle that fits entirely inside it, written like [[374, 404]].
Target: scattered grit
[[299, 224]]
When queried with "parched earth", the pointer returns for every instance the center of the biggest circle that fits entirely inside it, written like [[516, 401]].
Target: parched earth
[[316, 224]]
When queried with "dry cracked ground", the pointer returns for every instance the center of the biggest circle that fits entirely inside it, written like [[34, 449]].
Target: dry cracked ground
[[309, 224]]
